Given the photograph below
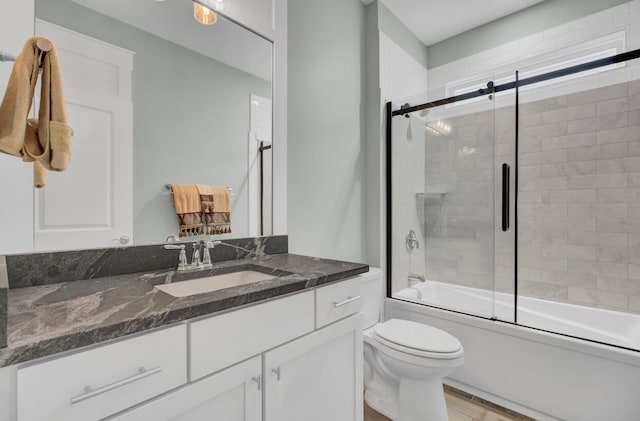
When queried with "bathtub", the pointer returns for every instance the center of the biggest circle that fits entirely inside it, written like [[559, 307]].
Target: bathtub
[[546, 375], [605, 326]]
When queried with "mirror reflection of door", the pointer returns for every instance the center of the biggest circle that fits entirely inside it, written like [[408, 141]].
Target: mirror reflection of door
[[90, 204]]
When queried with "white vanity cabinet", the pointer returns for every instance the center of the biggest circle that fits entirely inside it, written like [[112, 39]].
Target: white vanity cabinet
[[317, 377], [293, 358], [234, 394]]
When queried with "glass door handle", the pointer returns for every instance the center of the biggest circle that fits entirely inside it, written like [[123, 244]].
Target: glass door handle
[[506, 170]]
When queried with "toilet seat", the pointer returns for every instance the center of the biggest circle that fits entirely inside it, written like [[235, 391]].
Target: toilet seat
[[417, 339]]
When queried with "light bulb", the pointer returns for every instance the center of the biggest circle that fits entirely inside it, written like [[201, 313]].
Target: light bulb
[[204, 15]]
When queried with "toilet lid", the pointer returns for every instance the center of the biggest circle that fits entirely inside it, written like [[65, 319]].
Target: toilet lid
[[417, 336]]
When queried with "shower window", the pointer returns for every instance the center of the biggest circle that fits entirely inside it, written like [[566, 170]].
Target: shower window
[[521, 203]]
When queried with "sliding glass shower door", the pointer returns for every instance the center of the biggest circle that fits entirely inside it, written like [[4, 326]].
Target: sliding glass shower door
[[519, 200], [446, 206]]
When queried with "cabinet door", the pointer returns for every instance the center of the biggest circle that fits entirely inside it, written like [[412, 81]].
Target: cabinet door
[[234, 394], [317, 377]]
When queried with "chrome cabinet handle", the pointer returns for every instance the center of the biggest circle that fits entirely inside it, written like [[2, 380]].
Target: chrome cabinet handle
[[276, 371], [258, 380], [345, 302], [90, 392]]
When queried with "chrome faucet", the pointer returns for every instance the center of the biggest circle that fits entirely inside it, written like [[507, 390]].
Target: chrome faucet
[[196, 262]]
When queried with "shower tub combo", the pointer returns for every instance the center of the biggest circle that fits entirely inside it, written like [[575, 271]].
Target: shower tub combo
[[522, 204]]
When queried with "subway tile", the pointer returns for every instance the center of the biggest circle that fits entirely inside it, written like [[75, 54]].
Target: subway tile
[[634, 118], [612, 239], [528, 172], [582, 238], [558, 116], [611, 210], [581, 224], [599, 181], [613, 224], [549, 104], [551, 183], [634, 148], [571, 168], [570, 141], [634, 302], [528, 145], [590, 153], [600, 124], [619, 165], [619, 285], [568, 196], [542, 289], [529, 197], [612, 300], [612, 269], [582, 295], [559, 209], [548, 157], [554, 130], [617, 135], [598, 95], [617, 105], [634, 178], [582, 266], [612, 254], [629, 195], [569, 251], [581, 280]]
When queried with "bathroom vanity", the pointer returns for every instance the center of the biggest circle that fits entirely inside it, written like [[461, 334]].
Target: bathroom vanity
[[286, 348]]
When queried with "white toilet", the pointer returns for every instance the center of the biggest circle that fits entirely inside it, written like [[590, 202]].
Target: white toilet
[[404, 361]]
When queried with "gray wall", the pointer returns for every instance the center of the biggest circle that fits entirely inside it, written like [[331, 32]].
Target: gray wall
[[326, 149], [191, 118], [526, 22], [398, 32]]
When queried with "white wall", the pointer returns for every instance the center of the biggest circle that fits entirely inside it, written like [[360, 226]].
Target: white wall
[[16, 177]]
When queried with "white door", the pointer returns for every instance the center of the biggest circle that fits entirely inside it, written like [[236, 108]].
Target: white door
[[317, 377], [91, 203], [231, 395]]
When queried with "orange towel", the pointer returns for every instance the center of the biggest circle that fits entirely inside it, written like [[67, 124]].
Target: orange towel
[[216, 206], [188, 209], [45, 140]]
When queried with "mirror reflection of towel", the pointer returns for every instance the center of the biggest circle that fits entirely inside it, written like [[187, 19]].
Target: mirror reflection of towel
[[216, 207], [188, 209]]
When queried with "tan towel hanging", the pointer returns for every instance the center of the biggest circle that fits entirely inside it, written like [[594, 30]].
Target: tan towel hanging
[[45, 140], [216, 206], [188, 209]]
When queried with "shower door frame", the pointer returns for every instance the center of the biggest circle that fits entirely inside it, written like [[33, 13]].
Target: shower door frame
[[491, 89]]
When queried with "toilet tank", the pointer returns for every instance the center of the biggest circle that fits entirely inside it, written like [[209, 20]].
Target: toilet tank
[[372, 297]]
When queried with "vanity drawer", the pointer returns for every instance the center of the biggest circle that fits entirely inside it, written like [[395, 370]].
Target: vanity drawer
[[339, 300], [93, 384], [221, 341]]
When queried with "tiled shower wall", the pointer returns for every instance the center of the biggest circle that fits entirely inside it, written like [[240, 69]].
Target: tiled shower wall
[[579, 201], [578, 204]]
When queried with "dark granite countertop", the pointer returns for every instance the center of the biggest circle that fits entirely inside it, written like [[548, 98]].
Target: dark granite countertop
[[47, 319]]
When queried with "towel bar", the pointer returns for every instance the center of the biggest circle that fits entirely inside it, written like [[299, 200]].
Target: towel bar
[[168, 187]]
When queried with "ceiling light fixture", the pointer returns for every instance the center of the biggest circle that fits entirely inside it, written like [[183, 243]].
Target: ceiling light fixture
[[204, 15]]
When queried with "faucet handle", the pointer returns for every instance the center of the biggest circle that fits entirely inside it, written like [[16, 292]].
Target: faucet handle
[[182, 259]]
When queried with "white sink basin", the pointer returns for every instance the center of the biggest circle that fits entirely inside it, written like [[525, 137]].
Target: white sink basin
[[213, 283]]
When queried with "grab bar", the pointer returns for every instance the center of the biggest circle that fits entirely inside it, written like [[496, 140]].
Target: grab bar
[[505, 196]]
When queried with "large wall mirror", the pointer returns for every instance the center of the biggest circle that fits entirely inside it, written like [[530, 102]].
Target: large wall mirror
[[155, 98]]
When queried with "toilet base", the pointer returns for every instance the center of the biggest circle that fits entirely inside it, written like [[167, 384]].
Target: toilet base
[[421, 400], [384, 406]]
